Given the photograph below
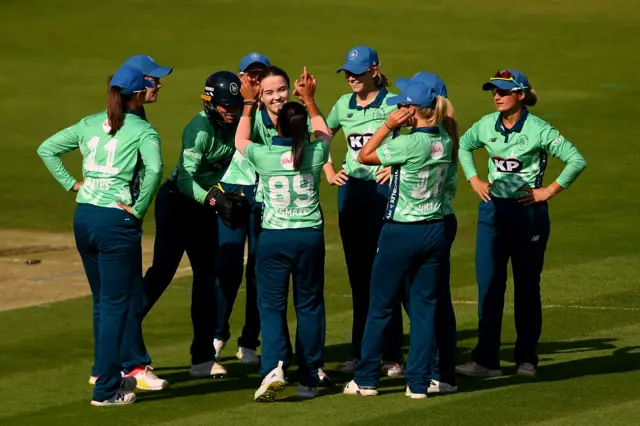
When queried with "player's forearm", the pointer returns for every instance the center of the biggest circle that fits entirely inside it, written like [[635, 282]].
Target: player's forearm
[[189, 187], [50, 151], [368, 154], [148, 190], [465, 157], [575, 164], [328, 170], [243, 132]]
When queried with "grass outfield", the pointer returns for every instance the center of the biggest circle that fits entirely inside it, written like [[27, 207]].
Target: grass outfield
[[579, 57]]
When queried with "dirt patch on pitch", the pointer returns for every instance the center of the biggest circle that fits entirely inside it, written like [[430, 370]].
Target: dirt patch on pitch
[[58, 275]]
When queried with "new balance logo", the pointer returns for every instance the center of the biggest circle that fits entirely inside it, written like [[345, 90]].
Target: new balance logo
[[535, 238], [507, 165]]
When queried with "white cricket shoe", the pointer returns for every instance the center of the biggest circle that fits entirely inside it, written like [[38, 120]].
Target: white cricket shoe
[[305, 392], [272, 384], [407, 392], [441, 388], [349, 366], [206, 369], [123, 396], [352, 388], [526, 369], [474, 369], [147, 380], [247, 356], [323, 378], [392, 369], [219, 345]]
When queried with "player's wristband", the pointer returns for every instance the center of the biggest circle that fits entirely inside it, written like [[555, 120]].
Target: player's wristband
[[249, 102]]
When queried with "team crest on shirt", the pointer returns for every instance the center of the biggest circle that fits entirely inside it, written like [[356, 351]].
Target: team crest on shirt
[[522, 142], [437, 150], [286, 161], [233, 88], [356, 141], [106, 127], [378, 115]]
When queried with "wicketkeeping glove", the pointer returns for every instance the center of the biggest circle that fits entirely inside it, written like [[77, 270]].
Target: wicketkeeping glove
[[232, 207]]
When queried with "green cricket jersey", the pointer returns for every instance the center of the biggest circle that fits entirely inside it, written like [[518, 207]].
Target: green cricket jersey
[[124, 168], [206, 154], [421, 161], [359, 124], [518, 156], [241, 172], [449, 188], [291, 198]]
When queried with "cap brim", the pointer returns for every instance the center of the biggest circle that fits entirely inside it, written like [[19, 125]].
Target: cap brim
[[266, 64], [160, 72], [354, 69], [499, 84], [395, 100]]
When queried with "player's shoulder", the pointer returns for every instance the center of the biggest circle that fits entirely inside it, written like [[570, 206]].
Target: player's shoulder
[[343, 101], [198, 126], [489, 119], [537, 122], [98, 119]]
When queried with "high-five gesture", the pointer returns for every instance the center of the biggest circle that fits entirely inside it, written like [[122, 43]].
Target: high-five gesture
[[250, 89], [305, 87]]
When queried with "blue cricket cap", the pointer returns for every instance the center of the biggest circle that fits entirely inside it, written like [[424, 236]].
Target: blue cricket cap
[[360, 59], [147, 66], [507, 80], [130, 80], [253, 58], [414, 93], [427, 78]]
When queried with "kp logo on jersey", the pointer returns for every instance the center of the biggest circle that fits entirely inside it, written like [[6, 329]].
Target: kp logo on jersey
[[356, 141], [507, 165]]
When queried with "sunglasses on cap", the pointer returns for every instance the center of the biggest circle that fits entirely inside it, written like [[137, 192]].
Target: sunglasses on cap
[[503, 75]]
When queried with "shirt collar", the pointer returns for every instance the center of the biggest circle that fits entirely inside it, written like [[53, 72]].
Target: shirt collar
[[517, 127], [266, 118], [377, 102], [430, 130], [280, 141], [140, 113]]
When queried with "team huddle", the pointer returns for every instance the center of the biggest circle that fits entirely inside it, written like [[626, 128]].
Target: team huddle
[[250, 169]]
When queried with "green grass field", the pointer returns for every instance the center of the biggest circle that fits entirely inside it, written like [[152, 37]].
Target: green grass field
[[581, 59]]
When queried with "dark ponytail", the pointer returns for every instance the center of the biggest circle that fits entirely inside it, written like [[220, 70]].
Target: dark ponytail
[[115, 110], [273, 71], [292, 120], [381, 80]]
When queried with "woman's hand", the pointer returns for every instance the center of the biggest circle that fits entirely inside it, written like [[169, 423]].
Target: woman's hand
[[305, 87], [537, 195], [339, 178], [249, 89], [398, 117], [77, 185], [126, 208], [481, 188], [383, 175]]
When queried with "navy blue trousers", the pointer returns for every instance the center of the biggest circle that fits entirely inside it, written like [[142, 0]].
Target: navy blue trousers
[[299, 255], [184, 225], [230, 271], [416, 252], [110, 244], [361, 208], [507, 230]]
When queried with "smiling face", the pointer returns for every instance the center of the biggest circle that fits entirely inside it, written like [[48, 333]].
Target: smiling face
[[361, 82], [506, 100], [275, 93]]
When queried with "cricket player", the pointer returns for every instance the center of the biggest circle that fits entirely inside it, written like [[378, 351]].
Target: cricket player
[[291, 243], [186, 210], [513, 218], [122, 169], [240, 176], [362, 194], [412, 240]]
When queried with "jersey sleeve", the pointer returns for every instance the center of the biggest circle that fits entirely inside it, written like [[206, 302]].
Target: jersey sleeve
[[252, 154], [469, 142], [151, 154], [333, 121], [50, 150], [193, 148], [559, 147], [393, 151]]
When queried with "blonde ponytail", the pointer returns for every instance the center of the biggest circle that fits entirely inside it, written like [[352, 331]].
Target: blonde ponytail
[[436, 114]]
